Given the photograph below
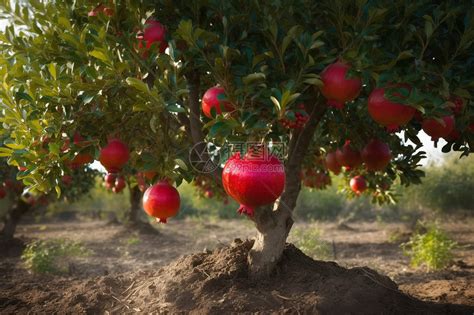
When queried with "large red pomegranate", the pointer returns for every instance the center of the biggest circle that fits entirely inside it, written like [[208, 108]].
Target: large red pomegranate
[[3, 193], [114, 155], [332, 164], [387, 113], [358, 184], [348, 156], [215, 98], [337, 88], [255, 180], [376, 155], [437, 129], [161, 201], [155, 32]]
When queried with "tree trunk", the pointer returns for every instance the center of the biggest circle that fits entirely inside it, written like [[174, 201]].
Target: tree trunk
[[274, 225], [135, 200], [13, 218]]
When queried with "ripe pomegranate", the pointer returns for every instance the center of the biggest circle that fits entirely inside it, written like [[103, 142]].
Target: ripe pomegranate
[[436, 129], [348, 157], [161, 201], [119, 185], [154, 32], [253, 181], [389, 114], [358, 184], [81, 159], [114, 155], [215, 98], [332, 164], [376, 155], [337, 88], [3, 193]]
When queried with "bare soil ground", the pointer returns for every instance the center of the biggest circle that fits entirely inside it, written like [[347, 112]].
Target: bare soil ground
[[131, 272]]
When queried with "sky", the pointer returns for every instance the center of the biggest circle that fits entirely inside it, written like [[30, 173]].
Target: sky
[[434, 155]]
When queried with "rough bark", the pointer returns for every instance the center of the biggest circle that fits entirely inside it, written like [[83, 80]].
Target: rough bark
[[13, 218], [135, 199], [274, 225]]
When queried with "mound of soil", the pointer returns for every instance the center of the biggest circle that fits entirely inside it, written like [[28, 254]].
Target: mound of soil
[[218, 283]]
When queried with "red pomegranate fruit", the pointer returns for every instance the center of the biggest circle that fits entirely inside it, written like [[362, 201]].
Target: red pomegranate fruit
[[110, 178], [3, 193], [453, 136], [215, 98], [387, 113], [161, 201], [332, 164], [119, 185], [376, 155], [348, 157], [155, 32], [358, 184], [255, 180], [337, 88], [114, 155], [437, 129], [149, 174]]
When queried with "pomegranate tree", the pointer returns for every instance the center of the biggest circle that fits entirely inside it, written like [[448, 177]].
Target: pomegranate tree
[[225, 83]]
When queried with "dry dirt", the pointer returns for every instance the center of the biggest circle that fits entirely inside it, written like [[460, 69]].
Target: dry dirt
[[131, 272]]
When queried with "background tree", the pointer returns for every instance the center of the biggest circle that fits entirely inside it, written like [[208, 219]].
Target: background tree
[[69, 67]]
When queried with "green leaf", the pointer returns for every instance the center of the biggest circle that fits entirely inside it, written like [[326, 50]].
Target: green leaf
[[138, 84], [253, 78], [181, 164], [52, 70], [99, 55], [276, 103], [173, 108]]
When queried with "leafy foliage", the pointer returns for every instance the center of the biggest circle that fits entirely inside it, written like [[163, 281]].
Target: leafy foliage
[[430, 246], [51, 256], [66, 72]]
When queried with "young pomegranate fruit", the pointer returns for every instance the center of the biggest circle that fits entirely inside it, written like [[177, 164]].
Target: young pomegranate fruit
[[348, 157], [215, 98], [358, 184], [114, 155], [437, 129], [337, 88], [376, 155], [332, 164], [255, 180], [387, 113], [161, 201]]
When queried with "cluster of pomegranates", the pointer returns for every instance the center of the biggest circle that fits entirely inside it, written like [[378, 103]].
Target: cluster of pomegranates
[[316, 179], [206, 187], [114, 182], [143, 178], [340, 89], [376, 156], [295, 119]]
